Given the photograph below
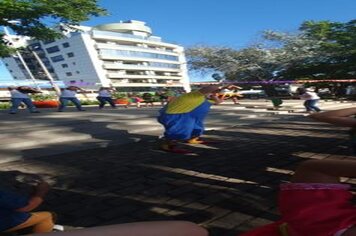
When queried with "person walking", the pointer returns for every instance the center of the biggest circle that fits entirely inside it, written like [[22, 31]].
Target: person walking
[[311, 99], [20, 95], [104, 95], [69, 94]]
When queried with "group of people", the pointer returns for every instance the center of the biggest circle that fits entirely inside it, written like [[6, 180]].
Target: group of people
[[314, 203], [20, 95]]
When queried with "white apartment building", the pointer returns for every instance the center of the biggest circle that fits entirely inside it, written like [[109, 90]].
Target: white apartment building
[[125, 55]]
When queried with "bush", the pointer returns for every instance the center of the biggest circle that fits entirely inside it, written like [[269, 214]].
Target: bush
[[4, 105], [119, 95], [89, 102], [43, 97]]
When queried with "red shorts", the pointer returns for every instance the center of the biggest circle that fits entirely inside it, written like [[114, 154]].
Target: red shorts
[[317, 209]]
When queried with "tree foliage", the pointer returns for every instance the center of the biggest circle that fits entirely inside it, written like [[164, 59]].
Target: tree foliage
[[35, 18], [319, 50]]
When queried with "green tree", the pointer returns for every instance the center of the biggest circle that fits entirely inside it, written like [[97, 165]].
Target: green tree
[[319, 50], [335, 57], [36, 18], [253, 63]]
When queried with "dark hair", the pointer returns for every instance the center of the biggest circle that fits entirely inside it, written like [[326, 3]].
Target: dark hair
[[301, 91]]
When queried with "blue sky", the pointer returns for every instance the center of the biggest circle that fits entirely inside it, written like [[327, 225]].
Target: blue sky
[[232, 23]]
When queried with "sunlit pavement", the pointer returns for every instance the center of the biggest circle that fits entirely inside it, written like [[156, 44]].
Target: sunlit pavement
[[105, 167]]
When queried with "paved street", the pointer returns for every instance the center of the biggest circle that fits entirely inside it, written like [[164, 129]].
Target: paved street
[[105, 167]]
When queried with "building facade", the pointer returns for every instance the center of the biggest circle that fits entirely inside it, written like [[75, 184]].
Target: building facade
[[124, 55]]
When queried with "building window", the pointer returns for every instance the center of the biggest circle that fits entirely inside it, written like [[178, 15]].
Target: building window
[[64, 65], [52, 49], [57, 58], [72, 81], [48, 41], [66, 45], [6, 64], [35, 46], [69, 74], [77, 72], [74, 63], [70, 54], [127, 53]]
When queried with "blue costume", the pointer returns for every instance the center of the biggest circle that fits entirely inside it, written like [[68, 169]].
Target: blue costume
[[9, 217], [183, 117]]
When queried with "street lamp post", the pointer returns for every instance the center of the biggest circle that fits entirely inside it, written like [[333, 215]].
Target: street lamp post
[[44, 68], [18, 54]]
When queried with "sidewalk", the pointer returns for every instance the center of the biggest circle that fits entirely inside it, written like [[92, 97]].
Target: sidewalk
[[228, 187], [26, 135]]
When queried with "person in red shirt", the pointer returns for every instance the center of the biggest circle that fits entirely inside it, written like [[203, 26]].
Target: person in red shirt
[[315, 203]]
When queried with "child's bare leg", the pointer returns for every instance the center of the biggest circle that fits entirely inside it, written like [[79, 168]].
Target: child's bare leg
[[158, 228], [324, 171]]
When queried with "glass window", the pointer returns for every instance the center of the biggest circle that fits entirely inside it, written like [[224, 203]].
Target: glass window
[[48, 41], [66, 45], [69, 74], [164, 65], [64, 65], [57, 58], [70, 54], [52, 49], [126, 53], [35, 46]]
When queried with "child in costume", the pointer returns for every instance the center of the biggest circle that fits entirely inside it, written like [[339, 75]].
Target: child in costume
[[183, 117], [15, 211]]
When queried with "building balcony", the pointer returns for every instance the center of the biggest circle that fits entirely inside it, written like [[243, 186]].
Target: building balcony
[[135, 48], [138, 59], [126, 76], [112, 36], [168, 84], [138, 67]]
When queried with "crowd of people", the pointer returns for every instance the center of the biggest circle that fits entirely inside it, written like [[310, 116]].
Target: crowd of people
[[21, 95], [314, 203]]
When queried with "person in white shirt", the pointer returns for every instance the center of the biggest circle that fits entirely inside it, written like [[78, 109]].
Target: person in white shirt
[[104, 95], [69, 94], [20, 95], [311, 99]]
